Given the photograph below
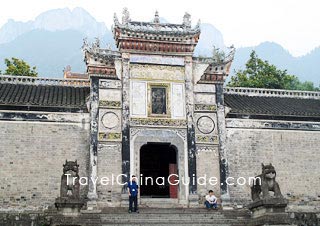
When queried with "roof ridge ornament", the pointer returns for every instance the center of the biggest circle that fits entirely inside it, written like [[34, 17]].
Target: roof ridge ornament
[[96, 44], [156, 19], [198, 24], [187, 20], [115, 19], [85, 45], [125, 16]]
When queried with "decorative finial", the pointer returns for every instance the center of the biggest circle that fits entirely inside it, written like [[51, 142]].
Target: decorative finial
[[187, 20], [96, 44], [198, 24], [115, 19], [108, 46], [231, 53], [125, 16], [85, 44], [156, 18]]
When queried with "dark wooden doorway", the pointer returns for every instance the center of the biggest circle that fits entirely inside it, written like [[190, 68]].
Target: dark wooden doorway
[[158, 160]]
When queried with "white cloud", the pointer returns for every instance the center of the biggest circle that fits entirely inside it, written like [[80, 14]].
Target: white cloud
[[292, 23]]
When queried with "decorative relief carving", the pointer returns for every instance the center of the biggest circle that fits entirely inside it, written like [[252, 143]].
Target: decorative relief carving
[[207, 139], [157, 60], [110, 84], [205, 124], [109, 136], [109, 147], [205, 107], [206, 148], [110, 104], [182, 133], [270, 124], [159, 72], [158, 122], [110, 120], [134, 131]]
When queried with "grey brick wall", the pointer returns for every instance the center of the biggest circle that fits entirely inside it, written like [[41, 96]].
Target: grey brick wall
[[294, 153], [109, 162], [31, 159]]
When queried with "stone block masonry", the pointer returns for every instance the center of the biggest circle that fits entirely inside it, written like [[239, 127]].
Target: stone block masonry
[[31, 159], [294, 153]]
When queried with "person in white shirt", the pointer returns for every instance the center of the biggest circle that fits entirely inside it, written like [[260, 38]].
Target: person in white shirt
[[211, 201]]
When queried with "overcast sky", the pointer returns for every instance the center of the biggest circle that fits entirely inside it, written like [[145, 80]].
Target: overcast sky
[[295, 24]]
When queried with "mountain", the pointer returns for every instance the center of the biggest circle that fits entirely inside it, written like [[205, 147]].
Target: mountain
[[209, 37], [304, 67], [55, 20], [49, 51], [53, 40]]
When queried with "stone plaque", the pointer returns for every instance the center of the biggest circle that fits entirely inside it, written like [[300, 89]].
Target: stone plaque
[[110, 120], [205, 124]]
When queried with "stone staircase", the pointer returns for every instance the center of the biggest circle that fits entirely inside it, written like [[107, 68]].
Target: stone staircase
[[158, 217]]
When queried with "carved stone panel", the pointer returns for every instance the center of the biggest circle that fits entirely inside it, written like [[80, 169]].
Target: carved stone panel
[[178, 100], [138, 98], [158, 100], [109, 120], [205, 124], [109, 84], [205, 128], [156, 72], [110, 94]]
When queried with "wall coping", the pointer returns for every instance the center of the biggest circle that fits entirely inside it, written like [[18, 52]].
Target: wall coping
[[43, 81], [272, 92]]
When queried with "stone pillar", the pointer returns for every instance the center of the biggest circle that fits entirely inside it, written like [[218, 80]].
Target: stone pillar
[[224, 173], [94, 103], [190, 127], [125, 119]]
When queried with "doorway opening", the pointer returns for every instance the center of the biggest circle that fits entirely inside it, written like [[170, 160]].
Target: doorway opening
[[158, 160]]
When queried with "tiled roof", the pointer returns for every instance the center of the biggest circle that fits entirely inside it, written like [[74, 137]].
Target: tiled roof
[[272, 106], [43, 96]]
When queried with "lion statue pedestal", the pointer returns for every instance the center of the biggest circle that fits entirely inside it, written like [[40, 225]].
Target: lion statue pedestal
[[266, 208], [69, 202]]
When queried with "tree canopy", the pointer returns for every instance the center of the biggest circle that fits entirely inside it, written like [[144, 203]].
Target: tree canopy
[[261, 74], [19, 67]]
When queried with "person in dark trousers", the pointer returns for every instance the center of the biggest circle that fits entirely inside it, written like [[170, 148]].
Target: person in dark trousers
[[211, 201], [133, 189]]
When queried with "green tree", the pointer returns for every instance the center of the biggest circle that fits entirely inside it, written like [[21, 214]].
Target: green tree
[[261, 74], [19, 67]]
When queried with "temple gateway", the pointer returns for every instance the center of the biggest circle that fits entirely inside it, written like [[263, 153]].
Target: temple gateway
[[152, 109]]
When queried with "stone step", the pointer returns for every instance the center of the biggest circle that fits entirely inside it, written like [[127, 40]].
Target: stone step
[[175, 217], [176, 224]]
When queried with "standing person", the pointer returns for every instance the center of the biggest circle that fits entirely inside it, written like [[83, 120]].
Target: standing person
[[133, 194], [211, 201]]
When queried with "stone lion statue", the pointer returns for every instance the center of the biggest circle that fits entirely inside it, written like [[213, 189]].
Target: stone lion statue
[[266, 184], [70, 188]]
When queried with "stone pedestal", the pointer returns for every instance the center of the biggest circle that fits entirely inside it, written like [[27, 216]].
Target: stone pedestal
[[92, 207], [125, 200], [68, 206], [225, 202], [193, 201], [269, 212]]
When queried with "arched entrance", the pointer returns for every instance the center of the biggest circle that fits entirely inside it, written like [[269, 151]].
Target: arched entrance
[[153, 138], [157, 162]]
